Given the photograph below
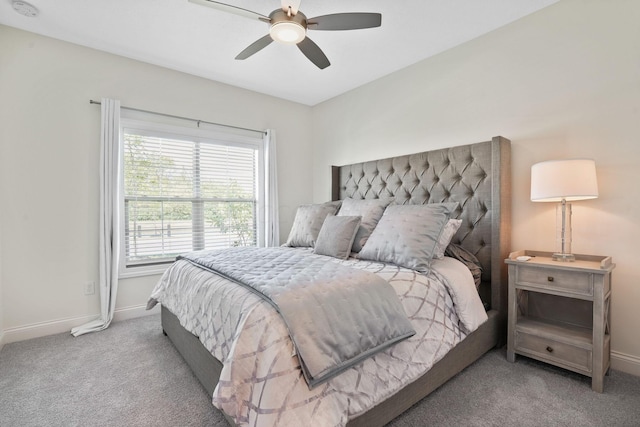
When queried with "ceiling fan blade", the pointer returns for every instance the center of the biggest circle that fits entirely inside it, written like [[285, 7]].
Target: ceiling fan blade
[[314, 53], [232, 9], [254, 47], [294, 4], [345, 21]]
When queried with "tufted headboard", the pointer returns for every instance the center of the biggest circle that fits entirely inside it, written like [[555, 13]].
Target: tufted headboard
[[477, 176]]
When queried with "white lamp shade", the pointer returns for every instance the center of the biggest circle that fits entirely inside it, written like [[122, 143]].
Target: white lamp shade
[[573, 179]]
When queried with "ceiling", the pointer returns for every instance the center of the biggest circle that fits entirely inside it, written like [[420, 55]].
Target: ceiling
[[187, 37]]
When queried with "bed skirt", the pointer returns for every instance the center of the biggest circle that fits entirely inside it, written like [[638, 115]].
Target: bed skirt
[[207, 368]]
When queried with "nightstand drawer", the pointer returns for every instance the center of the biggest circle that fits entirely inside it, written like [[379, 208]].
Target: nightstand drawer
[[570, 281], [559, 353]]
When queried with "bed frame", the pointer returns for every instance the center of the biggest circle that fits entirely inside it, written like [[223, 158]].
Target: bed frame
[[478, 177]]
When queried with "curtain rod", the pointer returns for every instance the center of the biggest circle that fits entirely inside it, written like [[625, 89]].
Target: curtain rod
[[91, 101]]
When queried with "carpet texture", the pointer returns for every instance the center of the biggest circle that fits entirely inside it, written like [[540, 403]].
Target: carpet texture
[[131, 375]]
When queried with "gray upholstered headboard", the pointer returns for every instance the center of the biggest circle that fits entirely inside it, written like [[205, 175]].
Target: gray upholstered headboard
[[477, 176]]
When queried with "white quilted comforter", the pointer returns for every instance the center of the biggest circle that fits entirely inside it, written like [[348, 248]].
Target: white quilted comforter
[[261, 383]]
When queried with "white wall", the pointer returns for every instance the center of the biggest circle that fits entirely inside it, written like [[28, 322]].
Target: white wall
[[50, 134], [564, 82], [561, 83], [1, 304]]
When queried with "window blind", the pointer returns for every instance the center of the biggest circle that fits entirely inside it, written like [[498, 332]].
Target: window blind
[[183, 194]]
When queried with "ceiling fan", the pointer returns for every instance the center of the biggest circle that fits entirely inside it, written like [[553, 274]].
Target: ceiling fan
[[289, 25]]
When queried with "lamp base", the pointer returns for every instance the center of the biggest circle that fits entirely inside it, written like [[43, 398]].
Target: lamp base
[[563, 233], [563, 257]]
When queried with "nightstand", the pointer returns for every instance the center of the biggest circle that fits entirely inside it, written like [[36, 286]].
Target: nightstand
[[559, 312]]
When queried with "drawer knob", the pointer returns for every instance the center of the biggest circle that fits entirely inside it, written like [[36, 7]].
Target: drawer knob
[[550, 349], [549, 278]]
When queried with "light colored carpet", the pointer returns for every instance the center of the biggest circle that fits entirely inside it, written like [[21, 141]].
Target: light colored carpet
[[131, 375], [127, 375]]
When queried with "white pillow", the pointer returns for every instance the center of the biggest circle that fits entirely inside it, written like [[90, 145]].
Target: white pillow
[[406, 235], [445, 237]]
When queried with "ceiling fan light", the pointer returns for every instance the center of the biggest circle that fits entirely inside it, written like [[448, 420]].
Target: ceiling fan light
[[288, 32]]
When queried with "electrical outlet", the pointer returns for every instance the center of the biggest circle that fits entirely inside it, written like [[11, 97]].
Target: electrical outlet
[[89, 288]]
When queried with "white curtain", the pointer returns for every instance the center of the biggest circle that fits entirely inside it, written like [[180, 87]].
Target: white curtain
[[109, 236], [272, 228]]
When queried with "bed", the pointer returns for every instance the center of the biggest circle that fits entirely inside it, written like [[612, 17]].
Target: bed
[[477, 177]]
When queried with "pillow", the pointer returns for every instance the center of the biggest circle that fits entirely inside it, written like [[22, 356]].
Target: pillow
[[406, 235], [468, 259], [307, 224], [370, 210], [445, 237], [335, 203], [336, 236]]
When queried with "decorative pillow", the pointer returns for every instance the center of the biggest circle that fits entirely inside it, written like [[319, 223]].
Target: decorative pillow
[[445, 237], [307, 223], [406, 235], [468, 259], [336, 236], [370, 210], [335, 203]]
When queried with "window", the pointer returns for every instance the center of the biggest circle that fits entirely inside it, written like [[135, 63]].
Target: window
[[187, 189]]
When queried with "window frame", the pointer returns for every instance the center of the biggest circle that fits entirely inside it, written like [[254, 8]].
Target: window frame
[[193, 132]]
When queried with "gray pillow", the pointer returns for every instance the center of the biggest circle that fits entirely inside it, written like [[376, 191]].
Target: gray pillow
[[370, 210], [336, 236], [407, 235], [307, 224]]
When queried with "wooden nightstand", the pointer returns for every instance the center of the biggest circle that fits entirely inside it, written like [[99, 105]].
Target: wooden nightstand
[[559, 312]]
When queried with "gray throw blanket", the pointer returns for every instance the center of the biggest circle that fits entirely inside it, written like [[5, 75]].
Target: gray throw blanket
[[337, 316]]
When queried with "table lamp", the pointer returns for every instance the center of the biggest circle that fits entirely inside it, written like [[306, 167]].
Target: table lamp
[[563, 181]]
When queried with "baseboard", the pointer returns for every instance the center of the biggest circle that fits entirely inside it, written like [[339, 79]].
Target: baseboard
[[134, 311], [619, 361], [36, 330], [625, 363]]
